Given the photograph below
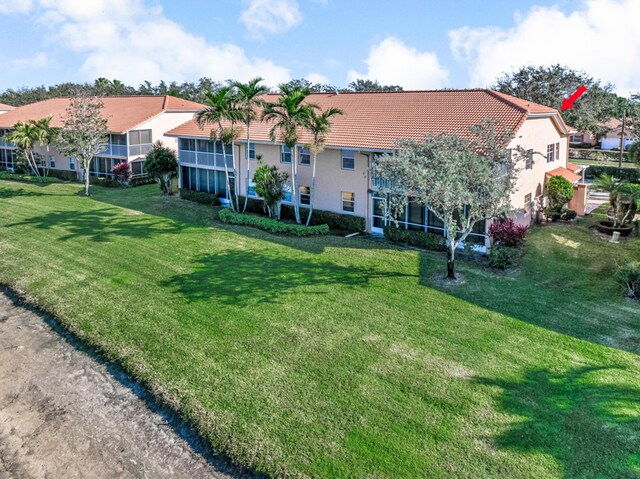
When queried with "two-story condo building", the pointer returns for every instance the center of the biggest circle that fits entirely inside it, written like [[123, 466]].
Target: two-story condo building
[[134, 123], [372, 124]]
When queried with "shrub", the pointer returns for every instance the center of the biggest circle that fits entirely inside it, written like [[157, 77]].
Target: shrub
[[269, 184], [4, 175], [555, 213], [271, 225], [631, 175], [141, 180], [559, 191], [420, 239], [161, 163], [507, 233], [122, 173], [501, 257], [64, 175], [102, 181], [208, 199], [628, 276]]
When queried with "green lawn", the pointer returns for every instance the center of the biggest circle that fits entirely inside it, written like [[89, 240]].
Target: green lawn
[[335, 357]]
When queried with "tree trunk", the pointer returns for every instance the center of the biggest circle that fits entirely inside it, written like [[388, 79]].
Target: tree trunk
[[312, 193], [236, 175], [86, 181], [450, 263], [246, 186], [294, 192]]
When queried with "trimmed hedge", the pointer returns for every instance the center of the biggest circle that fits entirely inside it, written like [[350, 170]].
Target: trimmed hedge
[[45, 180], [335, 221], [271, 225], [208, 199], [141, 180], [420, 239], [630, 174], [595, 154], [64, 175]]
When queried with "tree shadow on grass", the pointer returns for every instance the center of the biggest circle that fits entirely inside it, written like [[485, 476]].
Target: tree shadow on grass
[[589, 424], [101, 225], [5, 194], [242, 278]]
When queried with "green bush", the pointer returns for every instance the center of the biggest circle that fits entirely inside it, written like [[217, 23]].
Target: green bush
[[199, 197], [501, 257], [271, 225], [4, 175], [141, 180], [629, 174], [628, 276], [64, 175], [103, 181], [554, 213], [420, 239]]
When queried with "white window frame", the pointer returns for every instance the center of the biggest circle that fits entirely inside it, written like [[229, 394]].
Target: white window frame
[[72, 163], [52, 161], [252, 149], [343, 157], [551, 149], [283, 152], [528, 160], [306, 195], [352, 201], [301, 153]]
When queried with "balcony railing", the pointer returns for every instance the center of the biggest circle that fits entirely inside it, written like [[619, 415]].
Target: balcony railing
[[114, 150], [377, 182], [204, 159]]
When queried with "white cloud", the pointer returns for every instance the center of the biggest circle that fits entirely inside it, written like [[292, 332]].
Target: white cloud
[[127, 40], [318, 78], [15, 6], [36, 62], [599, 37], [270, 16], [393, 62]]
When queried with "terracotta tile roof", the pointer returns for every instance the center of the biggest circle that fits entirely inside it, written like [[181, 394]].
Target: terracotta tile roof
[[376, 120], [565, 173], [573, 167], [123, 113], [5, 107]]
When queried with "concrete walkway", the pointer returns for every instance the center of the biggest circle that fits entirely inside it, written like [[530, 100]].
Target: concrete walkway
[[64, 413]]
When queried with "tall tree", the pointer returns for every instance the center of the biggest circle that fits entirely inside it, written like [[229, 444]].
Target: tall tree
[[84, 132], [289, 115], [47, 135], [161, 163], [549, 85], [221, 107], [371, 85], [249, 98], [24, 136], [463, 179], [319, 126]]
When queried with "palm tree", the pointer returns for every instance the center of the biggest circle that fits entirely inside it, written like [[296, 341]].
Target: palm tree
[[249, 100], [221, 107], [289, 114], [319, 126], [25, 136], [46, 135]]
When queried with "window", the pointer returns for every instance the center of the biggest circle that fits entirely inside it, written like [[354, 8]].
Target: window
[[550, 152], [576, 139], [287, 193], [557, 151], [348, 201], [305, 195], [52, 161], [137, 168], [305, 156], [348, 159], [285, 155], [528, 160], [252, 151], [187, 144], [252, 189], [72, 163], [139, 142], [527, 202]]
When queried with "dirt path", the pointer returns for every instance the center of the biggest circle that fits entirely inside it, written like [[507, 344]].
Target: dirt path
[[64, 413]]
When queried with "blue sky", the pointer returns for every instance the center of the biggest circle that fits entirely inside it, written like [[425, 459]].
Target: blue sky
[[418, 44]]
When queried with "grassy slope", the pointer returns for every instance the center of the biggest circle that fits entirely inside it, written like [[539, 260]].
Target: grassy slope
[[337, 357]]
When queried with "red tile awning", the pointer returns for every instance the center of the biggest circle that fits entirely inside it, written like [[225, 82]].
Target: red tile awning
[[566, 174]]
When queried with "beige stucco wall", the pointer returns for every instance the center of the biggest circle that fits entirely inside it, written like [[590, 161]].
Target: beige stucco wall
[[536, 134], [331, 179]]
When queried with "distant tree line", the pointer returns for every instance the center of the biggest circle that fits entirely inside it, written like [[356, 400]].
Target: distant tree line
[[194, 91]]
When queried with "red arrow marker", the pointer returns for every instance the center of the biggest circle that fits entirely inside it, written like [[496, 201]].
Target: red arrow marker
[[567, 103]]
